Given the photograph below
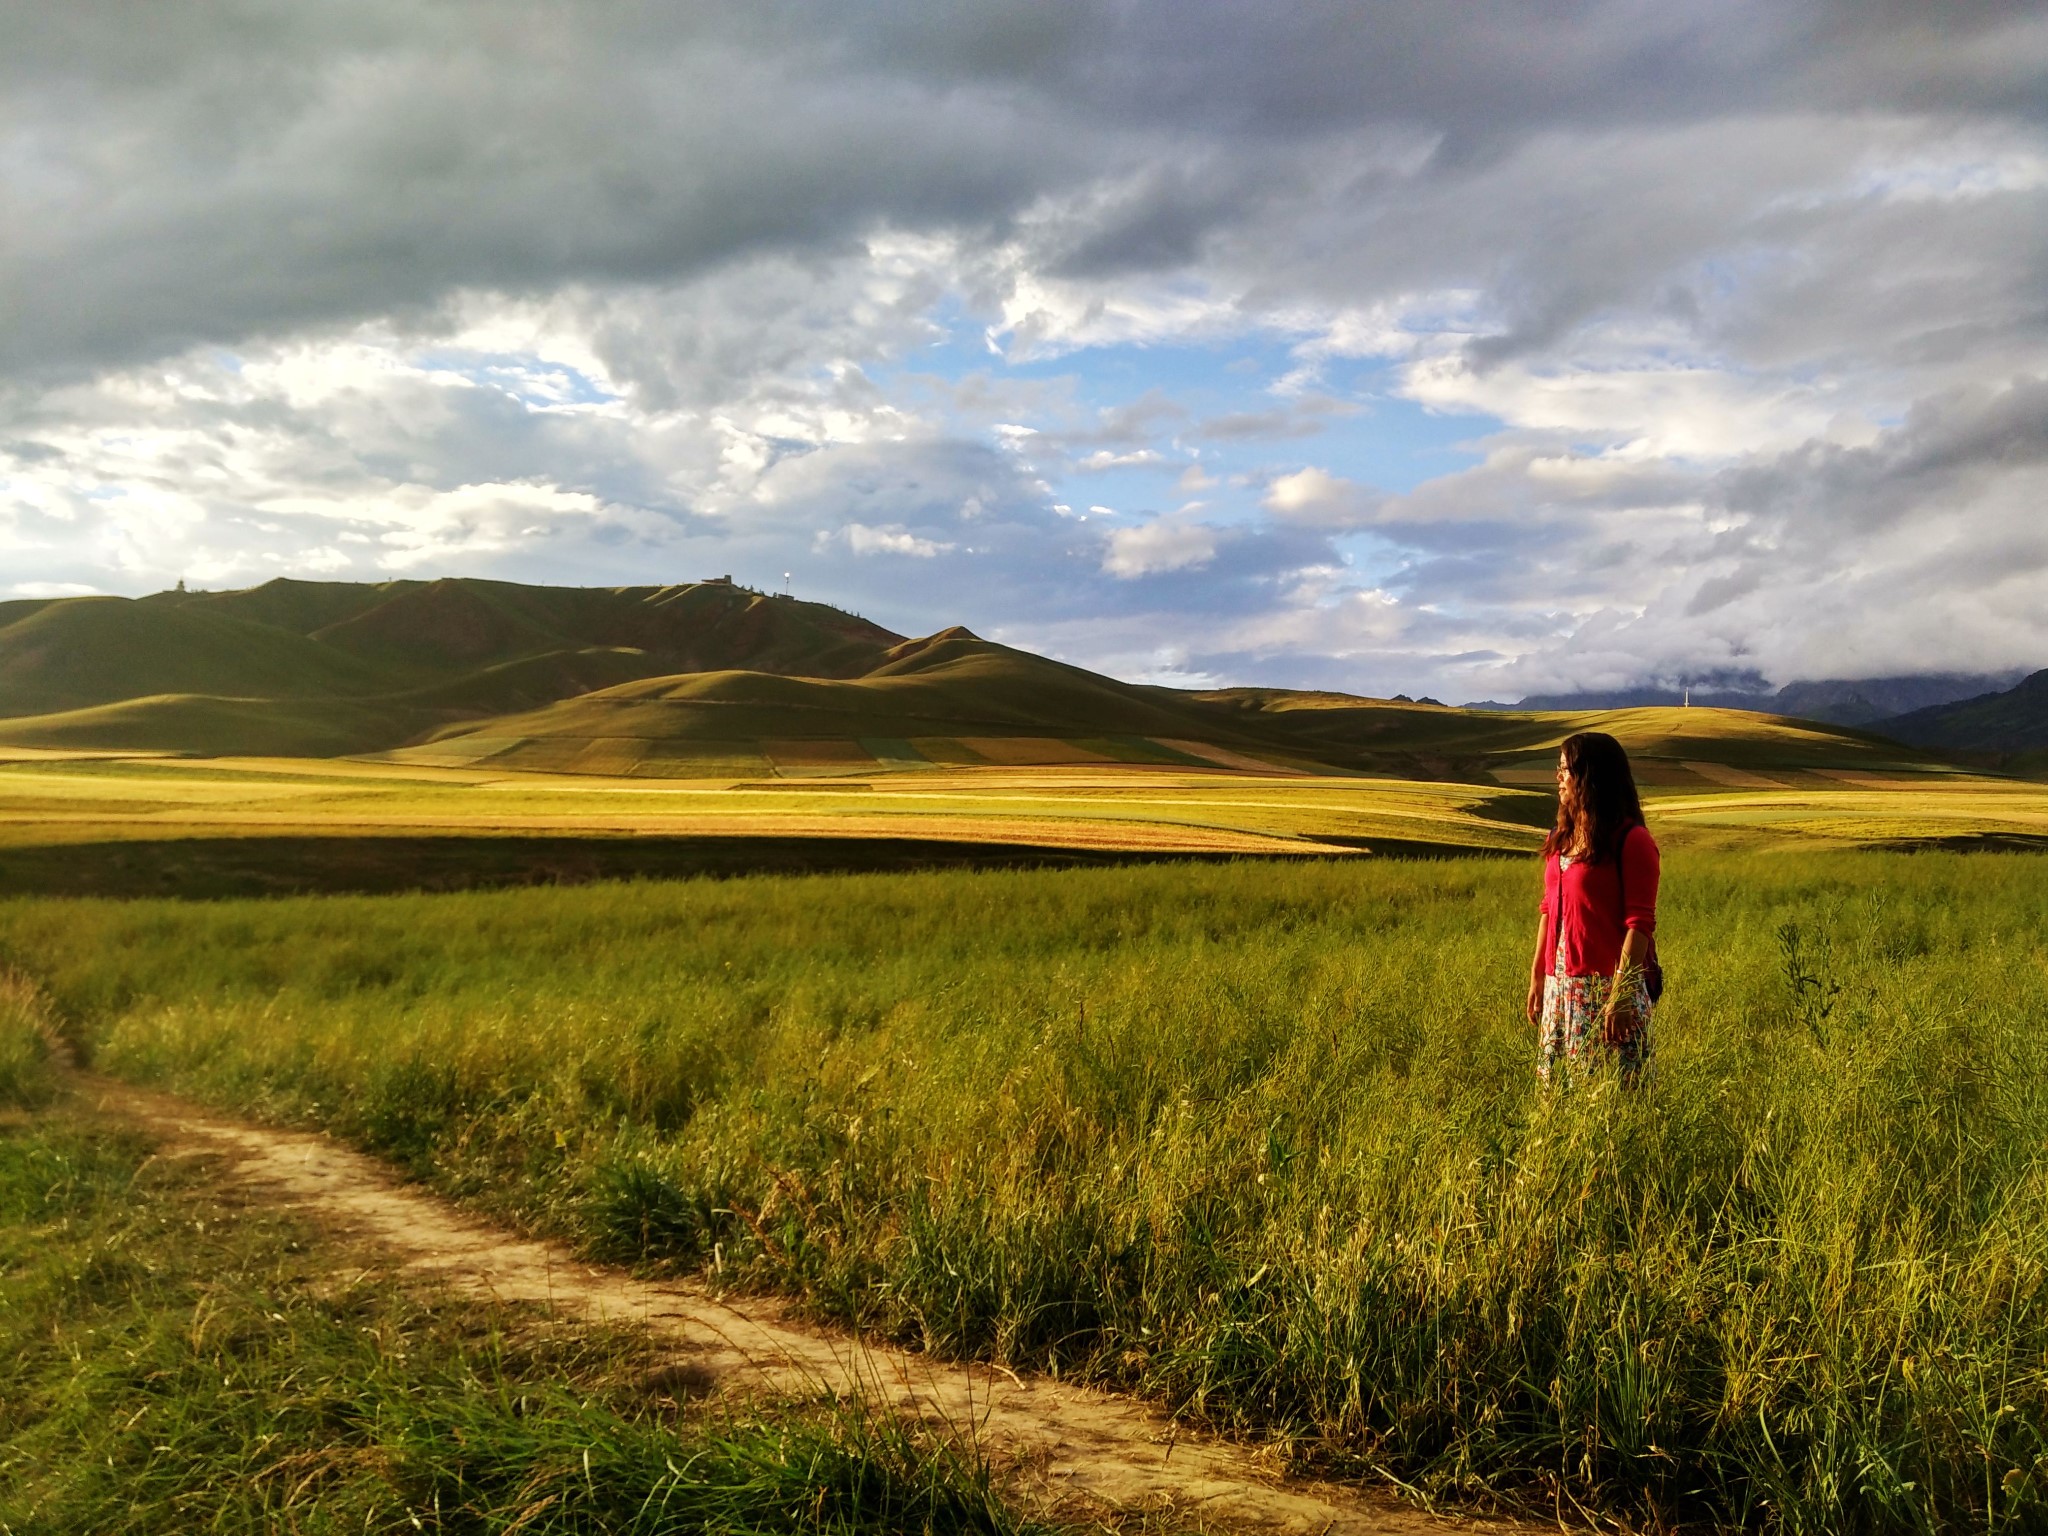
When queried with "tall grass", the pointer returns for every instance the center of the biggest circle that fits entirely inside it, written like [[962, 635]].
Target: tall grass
[[1263, 1142], [28, 1070], [167, 1366]]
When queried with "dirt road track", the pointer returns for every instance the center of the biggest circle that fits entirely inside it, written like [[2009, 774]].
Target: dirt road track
[[1083, 1445]]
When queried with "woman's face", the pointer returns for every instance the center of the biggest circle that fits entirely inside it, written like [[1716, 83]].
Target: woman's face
[[1567, 786]]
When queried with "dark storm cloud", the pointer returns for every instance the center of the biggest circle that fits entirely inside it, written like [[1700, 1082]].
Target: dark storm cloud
[[203, 172], [1484, 70], [282, 168]]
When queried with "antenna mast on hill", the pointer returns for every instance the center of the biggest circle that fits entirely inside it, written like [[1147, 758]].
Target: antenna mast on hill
[[785, 583]]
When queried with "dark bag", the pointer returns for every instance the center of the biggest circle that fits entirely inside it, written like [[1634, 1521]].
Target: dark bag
[[1653, 973]]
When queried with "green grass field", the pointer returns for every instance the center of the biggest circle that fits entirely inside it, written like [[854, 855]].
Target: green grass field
[[174, 1363], [1261, 1140]]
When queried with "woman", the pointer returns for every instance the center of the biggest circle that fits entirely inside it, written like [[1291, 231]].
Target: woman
[[1595, 942]]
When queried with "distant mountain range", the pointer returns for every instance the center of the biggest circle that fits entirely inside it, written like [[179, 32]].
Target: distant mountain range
[[2013, 723], [709, 679], [1836, 701]]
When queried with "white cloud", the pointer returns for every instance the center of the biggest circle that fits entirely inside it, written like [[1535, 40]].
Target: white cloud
[[1315, 498], [435, 527], [1046, 317], [863, 540], [1698, 413], [1170, 543], [1104, 458]]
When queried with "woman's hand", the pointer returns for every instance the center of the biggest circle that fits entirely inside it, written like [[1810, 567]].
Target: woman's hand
[[1534, 1007], [1619, 1022]]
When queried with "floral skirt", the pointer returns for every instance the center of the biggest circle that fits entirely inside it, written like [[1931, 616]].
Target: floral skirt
[[1571, 1030]]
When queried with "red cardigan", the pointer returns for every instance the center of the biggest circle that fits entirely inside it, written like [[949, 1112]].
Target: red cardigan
[[1589, 897]]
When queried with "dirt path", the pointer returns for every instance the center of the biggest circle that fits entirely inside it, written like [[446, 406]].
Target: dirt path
[[1082, 1444]]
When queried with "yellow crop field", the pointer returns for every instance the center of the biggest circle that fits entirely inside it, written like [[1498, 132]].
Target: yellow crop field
[[50, 798]]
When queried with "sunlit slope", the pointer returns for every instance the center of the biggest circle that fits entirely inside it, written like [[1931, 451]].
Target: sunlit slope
[[951, 699], [955, 700], [212, 725], [1675, 745], [1728, 748], [198, 723], [84, 652], [231, 672]]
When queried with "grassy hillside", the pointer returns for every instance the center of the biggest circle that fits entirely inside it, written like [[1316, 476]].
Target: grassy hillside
[[243, 672], [199, 724], [712, 680], [2015, 721], [88, 651], [528, 683], [951, 699], [1672, 747], [954, 700], [297, 607], [698, 627], [979, 704]]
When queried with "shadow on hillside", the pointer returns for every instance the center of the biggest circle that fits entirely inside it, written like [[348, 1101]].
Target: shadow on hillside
[[217, 867], [1970, 842], [1415, 848]]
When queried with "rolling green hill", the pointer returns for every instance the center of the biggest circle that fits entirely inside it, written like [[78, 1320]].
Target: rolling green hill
[[231, 672], [949, 699], [456, 625], [89, 651], [297, 607], [1434, 741], [206, 725], [708, 679], [953, 700]]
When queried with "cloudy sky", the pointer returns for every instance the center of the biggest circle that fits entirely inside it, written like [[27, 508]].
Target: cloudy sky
[[1469, 350]]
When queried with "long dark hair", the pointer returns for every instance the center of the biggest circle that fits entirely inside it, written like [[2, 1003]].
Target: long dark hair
[[1607, 800]]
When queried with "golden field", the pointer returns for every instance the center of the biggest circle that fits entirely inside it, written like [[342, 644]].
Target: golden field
[[49, 798]]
